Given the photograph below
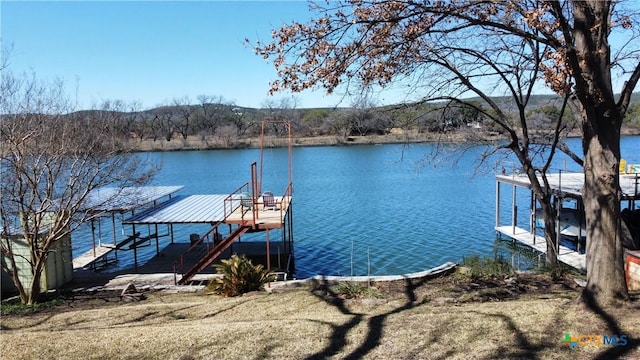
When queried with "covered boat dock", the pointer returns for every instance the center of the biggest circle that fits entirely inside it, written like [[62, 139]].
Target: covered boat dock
[[110, 201], [566, 186], [240, 214], [228, 217]]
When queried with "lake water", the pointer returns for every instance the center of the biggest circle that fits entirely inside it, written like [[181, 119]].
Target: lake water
[[378, 209]]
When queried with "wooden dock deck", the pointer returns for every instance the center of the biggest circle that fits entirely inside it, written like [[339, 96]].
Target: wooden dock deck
[[266, 217], [565, 255], [91, 256]]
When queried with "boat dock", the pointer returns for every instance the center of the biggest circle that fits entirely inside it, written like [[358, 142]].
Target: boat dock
[[565, 255], [248, 209], [565, 186], [111, 201], [244, 210], [240, 212], [91, 257]]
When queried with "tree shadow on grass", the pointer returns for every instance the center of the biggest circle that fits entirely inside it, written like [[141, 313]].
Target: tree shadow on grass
[[338, 339], [223, 310], [523, 347], [613, 327], [42, 320], [121, 318], [150, 315], [375, 324]]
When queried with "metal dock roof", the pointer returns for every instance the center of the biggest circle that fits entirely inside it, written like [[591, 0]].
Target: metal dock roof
[[184, 209], [571, 184], [113, 199]]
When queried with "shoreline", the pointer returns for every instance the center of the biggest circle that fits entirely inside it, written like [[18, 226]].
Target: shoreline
[[197, 143]]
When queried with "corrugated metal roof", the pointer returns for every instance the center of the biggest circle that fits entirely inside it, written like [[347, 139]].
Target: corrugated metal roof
[[572, 183], [184, 209], [128, 198]]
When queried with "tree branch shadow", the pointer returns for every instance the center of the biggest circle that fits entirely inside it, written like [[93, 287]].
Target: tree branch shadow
[[524, 348], [35, 324], [338, 338], [375, 324], [525, 345], [589, 300]]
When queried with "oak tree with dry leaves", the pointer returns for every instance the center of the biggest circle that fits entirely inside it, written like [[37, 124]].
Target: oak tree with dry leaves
[[449, 50]]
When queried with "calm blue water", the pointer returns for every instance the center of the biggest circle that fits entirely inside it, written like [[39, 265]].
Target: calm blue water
[[386, 207]]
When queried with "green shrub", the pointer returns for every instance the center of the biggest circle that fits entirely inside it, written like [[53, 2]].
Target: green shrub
[[239, 276], [15, 307], [352, 290], [475, 267], [558, 272]]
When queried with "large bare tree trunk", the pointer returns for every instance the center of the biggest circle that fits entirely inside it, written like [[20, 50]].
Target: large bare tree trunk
[[601, 195], [601, 122]]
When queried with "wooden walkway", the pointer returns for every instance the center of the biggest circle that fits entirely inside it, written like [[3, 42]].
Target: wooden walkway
[[89, 257], [566, 255]]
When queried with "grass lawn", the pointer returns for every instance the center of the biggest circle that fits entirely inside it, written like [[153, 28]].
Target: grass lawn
[[511, 317]]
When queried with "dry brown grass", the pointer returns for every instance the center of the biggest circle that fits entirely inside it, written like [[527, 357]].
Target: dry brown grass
[[430, 320]]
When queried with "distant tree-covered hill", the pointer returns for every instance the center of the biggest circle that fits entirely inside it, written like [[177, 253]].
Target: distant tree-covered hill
[[227, 123]]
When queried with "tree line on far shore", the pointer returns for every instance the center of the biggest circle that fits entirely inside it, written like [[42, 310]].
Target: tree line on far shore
[[213, 118], [216, 120]]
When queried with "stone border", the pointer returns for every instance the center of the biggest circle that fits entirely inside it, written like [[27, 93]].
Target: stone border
[[431, 272], [436, 271], [153, 282]]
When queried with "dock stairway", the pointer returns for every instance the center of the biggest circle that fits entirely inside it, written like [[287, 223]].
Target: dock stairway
[[206, 254]]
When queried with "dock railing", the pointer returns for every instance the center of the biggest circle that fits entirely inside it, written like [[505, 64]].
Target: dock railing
[[240, 197], [209, 239], [280, 203]]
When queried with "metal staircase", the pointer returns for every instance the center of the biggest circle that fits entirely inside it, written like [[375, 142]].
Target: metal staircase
[[206, 254]]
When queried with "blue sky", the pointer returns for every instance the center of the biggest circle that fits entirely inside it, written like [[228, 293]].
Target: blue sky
[[156, 51], [151, 52]]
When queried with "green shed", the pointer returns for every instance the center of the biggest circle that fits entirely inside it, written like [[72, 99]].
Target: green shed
[[57, 272]]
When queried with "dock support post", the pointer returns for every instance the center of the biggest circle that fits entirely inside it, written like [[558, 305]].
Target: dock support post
[[291, 249], [558, 226], [532, 207], [93, 237], [497, 203], [113, 230], [135, 252], [559, 207], [157, 244], [279, 261], [532, 216], [284, 244], [514, 210], [268, 252], [632, 205]]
